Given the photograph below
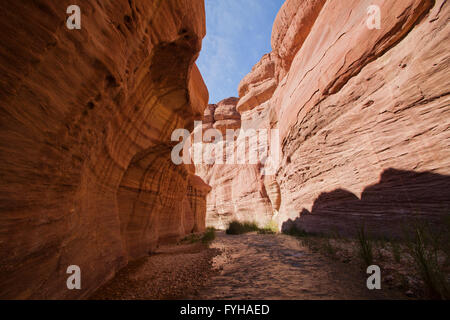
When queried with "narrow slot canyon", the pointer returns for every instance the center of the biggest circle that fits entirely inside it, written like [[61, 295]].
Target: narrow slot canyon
[[339, 137]]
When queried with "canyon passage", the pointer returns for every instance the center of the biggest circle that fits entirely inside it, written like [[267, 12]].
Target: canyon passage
[[362, 117]]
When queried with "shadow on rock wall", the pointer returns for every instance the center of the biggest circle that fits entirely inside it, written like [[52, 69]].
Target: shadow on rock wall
[[387, 208]]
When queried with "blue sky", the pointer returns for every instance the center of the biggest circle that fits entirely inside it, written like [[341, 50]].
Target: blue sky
[[237, 36]]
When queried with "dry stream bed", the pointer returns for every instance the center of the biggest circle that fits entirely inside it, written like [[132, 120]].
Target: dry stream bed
[[247, 266]]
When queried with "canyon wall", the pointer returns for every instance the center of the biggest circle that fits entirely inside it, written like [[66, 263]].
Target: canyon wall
[[86, 123], [238, 190], [363, 115]]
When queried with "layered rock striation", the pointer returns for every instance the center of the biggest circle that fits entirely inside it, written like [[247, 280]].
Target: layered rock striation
[[86, 123], [359, 104], [362, 113], [238, 190]]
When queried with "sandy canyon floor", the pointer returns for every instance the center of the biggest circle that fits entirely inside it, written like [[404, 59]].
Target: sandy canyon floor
[[248, 266]]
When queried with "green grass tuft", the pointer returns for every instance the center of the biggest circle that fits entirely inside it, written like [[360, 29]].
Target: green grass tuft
[[365, 247], [426, 257], [236, 227], [296, 232], [209, 235], [271, 227]]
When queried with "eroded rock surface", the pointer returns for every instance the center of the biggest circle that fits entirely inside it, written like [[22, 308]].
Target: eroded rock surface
[[363, 116], [238, 190], [226, 115], [86, 123], [87, 117], [362, 108]]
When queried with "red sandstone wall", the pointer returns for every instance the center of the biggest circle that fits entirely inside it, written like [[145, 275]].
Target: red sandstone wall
[[363, 116], [86, 119]]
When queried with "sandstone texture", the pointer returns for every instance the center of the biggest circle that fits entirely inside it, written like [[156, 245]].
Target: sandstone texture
[[86, 117], [238, 190], [367, 111], [85, 138], [225, 115], [363, 116]]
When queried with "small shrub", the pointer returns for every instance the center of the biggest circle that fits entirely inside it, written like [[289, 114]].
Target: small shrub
[[296, 232], [191, 238], [236, 227], [270, 228], [209, 235], [310, 240], [427, 263], [446, 238], [365, 247]]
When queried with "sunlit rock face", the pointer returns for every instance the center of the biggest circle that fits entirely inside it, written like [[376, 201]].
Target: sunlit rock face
[[290, 30], [363, 115], [367, 111], [238, 191], [86, 123], [226, 115]]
